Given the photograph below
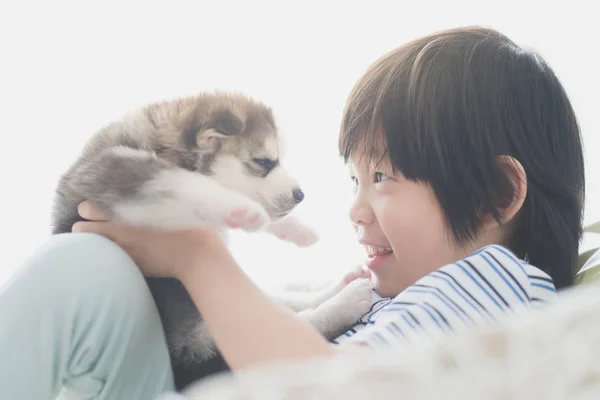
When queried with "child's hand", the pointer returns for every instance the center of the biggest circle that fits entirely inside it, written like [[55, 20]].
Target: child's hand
[[157, 253], [357, 273]]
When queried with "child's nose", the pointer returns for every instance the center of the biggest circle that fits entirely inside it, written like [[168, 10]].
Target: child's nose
[[361, 213]]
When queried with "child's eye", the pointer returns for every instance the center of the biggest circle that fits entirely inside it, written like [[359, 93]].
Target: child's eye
[[354, 180], [379, 177]]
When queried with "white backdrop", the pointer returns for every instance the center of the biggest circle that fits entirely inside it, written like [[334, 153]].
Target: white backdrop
[[67, 68]]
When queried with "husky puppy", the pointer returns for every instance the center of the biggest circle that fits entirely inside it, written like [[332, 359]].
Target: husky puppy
[[212, 159]]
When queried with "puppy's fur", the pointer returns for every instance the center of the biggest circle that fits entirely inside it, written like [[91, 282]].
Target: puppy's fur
[[212, 159]]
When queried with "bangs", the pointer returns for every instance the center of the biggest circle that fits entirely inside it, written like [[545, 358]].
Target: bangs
[[362, 137], [380, 120], [368, 146]]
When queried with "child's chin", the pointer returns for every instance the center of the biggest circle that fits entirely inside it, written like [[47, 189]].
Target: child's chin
[[380, 288]]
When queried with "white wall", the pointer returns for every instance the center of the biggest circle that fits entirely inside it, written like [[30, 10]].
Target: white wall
[[67, 68]]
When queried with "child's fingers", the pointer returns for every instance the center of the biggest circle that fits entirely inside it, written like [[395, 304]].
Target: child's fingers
[[106, 229], [89, 211]]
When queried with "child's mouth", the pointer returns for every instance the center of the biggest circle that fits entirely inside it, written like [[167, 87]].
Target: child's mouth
[[374, 251], [376, 255]]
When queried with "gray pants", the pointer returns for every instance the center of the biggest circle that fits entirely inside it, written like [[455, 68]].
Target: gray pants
[[78, 320]]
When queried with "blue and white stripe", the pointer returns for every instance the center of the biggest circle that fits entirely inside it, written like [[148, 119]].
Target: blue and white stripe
[[475, 291]]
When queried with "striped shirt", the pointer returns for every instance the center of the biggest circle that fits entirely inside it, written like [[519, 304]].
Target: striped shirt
[[474, 291]]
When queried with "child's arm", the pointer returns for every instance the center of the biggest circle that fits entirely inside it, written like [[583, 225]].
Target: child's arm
[[248, 327]]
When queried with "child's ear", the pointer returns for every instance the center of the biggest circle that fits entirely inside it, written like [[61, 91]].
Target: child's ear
[[509, 208], [518, 178]]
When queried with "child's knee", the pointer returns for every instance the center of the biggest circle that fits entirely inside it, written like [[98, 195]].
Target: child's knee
[[90, 266], [87, 303], [78, 252]]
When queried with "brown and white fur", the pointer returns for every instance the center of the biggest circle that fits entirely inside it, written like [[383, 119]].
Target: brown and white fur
[[212, 159]]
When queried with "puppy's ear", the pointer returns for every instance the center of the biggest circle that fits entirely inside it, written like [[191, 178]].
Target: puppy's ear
[[205, 133], [223, 123]]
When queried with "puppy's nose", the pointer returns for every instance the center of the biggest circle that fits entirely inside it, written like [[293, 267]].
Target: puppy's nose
[[298, 195]]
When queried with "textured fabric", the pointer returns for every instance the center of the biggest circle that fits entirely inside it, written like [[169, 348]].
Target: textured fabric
[[550, 354], [478, 290], [78, 318]]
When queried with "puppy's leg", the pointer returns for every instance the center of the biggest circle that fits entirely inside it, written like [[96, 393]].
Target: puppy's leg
[[291, 229], [137, 187], [343, 310], [303, 297], [305, 300]]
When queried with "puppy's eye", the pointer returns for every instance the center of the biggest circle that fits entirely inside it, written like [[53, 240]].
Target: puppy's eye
[[265, 163]]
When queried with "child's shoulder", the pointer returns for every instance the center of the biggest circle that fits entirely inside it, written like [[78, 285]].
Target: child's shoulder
[[496, 256], [491, 277]]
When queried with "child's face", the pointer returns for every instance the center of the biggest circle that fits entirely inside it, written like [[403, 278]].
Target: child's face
[[401, 225]]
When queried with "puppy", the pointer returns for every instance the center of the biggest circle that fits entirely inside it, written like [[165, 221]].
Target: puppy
[[212, 159]]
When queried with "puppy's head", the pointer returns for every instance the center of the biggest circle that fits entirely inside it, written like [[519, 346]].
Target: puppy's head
[[238, 145]]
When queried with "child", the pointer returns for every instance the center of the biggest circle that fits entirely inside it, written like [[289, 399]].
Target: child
[[457, 141], [468, 167]]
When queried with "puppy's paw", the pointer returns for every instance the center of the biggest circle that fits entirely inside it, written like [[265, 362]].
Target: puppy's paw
[[357, 273], [248, 218], [354, 301], [237, 212], [358, 291], [293, 231]]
